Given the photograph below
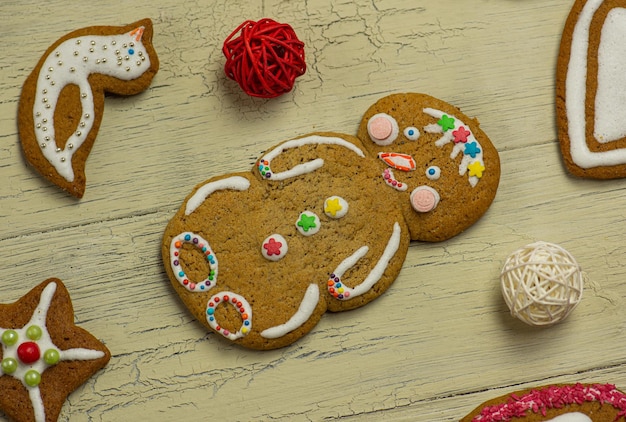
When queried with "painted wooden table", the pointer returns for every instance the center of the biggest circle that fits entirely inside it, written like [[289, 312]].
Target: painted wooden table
[[440, 340]]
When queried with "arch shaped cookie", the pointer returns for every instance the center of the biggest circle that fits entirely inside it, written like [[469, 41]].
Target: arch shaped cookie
[[308, 231], [62, 101], [589, 90]]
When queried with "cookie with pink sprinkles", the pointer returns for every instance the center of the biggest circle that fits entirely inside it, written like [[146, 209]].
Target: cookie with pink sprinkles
[[555, 403]]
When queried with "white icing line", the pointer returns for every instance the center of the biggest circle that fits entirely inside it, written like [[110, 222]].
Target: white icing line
[[310, 166], [459, 147], [379, 269], [302, 315], [576, 92], [234, 183]]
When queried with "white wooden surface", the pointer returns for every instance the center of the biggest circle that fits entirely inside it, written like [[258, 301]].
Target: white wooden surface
[[440, 341]]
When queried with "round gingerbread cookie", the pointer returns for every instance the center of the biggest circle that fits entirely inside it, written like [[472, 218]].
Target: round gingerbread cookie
[[442, 168], [555, 403], [259, 257]]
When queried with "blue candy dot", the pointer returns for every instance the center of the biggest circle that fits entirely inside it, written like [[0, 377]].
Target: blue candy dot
[[131, 51], [210, 311], [187, 237]]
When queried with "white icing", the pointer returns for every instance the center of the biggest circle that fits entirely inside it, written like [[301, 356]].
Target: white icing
[[203, 245], [238, 302], [610, 113], [310, 230], [307, 167], [571, 417], [38, 318], [459, 147], [71, 63], [302, 315], [576, 91], [379, 269], [233, 183]]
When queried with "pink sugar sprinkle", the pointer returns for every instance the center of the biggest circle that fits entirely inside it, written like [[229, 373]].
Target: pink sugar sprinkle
[[553, 397]]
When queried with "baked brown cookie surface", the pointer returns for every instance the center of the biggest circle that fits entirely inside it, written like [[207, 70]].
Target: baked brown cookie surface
[[555, 403], [307, 231], [321, 224], [44, 356], [444, 169], [62, 100], [590, 81]]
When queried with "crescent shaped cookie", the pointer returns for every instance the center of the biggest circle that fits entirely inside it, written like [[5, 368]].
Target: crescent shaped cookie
[[555, 403], [62, 100], [590, 86]]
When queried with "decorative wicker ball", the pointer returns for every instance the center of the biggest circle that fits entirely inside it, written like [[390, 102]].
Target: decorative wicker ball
[[541, 283], [264, 57]]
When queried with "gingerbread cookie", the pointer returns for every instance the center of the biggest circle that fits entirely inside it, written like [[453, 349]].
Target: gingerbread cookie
[[591, 107], [320, 225], [555, 403], [44, 356], [62, 100]]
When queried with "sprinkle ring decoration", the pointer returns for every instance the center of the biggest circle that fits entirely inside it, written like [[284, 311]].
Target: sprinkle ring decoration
[[541, 283], [175, 262], [240, 304]]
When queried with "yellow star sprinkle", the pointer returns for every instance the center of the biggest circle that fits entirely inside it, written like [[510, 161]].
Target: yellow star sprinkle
[[476, 169], [333, 206]]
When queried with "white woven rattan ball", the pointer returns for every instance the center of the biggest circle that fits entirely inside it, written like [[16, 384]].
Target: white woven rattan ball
[[541, 283]]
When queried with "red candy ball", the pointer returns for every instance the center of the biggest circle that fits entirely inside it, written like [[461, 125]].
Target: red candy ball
[[265, 58], [28, 352]]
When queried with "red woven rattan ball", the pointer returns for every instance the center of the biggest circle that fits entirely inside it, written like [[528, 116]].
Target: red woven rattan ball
[[264, 57]]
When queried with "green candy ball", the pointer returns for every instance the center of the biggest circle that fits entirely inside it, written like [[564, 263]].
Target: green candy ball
[[32, 378]]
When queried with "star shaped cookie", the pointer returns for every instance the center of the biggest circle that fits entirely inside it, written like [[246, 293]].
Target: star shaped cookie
[[43, 355]]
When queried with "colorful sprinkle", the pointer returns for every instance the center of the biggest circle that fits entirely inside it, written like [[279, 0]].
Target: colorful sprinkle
[[33, 332], [335, 207], [538, 401], [446, 122], [476, 169], [274, 247], [32, 378], [390, 180], [240, 304], [9, 337], [461, 134], [264, 168], [28, 352], [9, 365], [471, 149], [308, 223], [201, 244]]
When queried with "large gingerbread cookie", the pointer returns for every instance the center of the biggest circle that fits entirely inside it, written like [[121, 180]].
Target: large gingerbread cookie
[[555, 403], [62, 100], [321, 224], [590, 84]]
